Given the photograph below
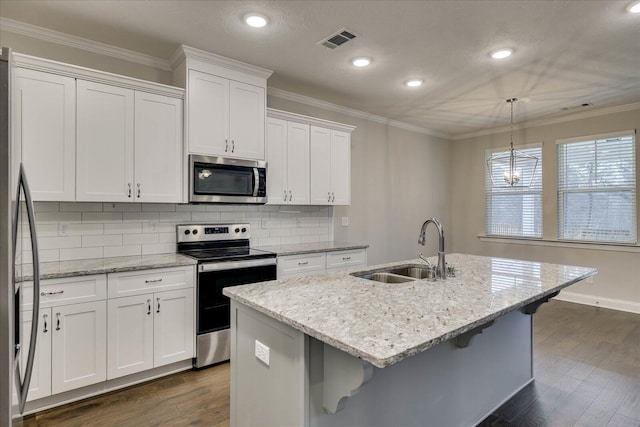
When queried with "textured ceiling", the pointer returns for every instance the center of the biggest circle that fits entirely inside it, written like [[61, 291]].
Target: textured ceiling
[[567, 52]]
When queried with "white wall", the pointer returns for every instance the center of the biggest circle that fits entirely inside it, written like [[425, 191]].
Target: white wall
[[617, 284]]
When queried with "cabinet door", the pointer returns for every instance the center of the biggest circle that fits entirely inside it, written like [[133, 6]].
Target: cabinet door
[[247, 114], [40, 385], [173, 325], [129, 335], [340, 168], [104, 143], [320, 171], [298, 163], [276, 161], [44, 124], [78, 345], [208, 114], [158, 148]]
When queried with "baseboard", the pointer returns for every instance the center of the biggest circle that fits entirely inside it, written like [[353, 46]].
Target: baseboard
[[614, 304]]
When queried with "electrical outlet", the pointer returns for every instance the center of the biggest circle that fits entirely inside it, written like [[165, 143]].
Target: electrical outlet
[[345, 221], [63, 229], [265, 223], [262, 352]]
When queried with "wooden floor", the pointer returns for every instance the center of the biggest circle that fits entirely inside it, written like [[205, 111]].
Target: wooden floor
[[587, 368]]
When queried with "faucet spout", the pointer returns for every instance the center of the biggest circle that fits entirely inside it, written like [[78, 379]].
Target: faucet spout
[[441, 268]]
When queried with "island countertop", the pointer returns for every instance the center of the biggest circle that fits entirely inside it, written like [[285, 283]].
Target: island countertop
[[383, 323]]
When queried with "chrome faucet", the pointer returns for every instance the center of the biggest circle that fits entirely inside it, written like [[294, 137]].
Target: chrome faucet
[[441, 269]]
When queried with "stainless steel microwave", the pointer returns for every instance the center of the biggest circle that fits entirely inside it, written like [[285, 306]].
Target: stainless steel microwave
[[223, 180]]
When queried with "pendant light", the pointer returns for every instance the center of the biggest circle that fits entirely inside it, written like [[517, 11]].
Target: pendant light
[[513, 165]]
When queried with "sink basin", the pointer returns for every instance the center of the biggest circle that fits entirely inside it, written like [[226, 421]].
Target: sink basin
[[385, 278], [415, 271]]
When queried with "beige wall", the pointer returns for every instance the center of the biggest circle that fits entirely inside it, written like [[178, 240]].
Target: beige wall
[[397, 182], [619, 270]]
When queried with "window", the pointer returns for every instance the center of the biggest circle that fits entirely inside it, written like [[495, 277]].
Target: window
[[597, 188], [514, 211]]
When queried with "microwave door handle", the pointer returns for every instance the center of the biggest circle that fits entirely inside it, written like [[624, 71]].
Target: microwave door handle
[[256, 182]]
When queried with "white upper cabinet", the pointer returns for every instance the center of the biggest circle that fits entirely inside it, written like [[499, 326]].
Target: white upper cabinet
[[288, 160], [44, 124], [105, 143], [226, 104], [330, 166], [158, 148], [129, 145], [226, 118]]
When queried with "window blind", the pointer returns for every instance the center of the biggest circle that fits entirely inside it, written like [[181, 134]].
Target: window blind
[[514, 211], [597, 189]]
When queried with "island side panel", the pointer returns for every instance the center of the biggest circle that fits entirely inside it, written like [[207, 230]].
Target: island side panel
[[443, 386], [273, 394]]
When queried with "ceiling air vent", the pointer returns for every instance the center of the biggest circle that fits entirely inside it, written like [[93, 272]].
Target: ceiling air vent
[[338, 38], [575, 107]]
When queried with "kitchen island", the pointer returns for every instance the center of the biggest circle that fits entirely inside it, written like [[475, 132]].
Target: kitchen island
[[341, 350]]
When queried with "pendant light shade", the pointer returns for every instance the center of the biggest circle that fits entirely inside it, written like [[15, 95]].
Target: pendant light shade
[[512, 168]]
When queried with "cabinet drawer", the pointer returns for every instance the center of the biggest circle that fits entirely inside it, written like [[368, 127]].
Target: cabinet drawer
[[351, 258], [68, 290], [144, 281], [300, 265]]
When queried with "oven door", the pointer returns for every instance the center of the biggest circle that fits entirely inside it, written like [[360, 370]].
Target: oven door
[[222, 180], [213, 340]]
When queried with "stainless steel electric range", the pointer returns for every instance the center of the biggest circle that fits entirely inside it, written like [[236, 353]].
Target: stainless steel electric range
[[225, 258]]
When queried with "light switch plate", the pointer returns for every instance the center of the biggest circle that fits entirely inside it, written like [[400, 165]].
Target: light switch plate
[[262, 352], [63, 229], [345, 221]]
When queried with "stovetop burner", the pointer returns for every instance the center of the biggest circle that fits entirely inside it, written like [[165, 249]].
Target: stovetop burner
[[217, 242]]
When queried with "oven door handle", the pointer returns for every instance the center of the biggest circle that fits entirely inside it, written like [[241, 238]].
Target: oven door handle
[[235, 265]]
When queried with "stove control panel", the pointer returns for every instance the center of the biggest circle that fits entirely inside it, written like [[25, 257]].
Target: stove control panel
[[212, 232]]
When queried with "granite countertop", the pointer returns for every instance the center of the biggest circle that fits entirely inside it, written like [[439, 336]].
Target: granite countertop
[[307, 248], [58, 269], [383, 323]]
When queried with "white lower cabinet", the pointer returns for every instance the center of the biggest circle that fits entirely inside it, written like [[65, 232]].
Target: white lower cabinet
[[40, 385], [78, 345], [320, 263], [151, 329]]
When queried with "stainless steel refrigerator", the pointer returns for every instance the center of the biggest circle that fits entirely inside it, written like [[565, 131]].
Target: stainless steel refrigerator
[[18, 256]]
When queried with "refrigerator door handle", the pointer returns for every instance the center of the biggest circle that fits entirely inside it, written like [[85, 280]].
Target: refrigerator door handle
[[26, 381]]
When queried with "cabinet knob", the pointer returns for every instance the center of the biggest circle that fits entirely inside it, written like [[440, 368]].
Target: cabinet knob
[[129, 184], [57, 321], [148, 306], [138, 185], [233, 146], [158, 300], [226, 145], [44, 318]]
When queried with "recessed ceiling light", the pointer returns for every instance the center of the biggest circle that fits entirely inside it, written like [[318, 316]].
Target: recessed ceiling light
[[255, 20], [634, 7], [414, 82], [361, 61], [501, 53]]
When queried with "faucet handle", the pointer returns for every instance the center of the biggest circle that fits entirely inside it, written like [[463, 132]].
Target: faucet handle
[[424, 258], [451, 271]]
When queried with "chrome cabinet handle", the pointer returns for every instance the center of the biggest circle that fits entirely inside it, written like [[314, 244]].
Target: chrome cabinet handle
[[346, 258], [138, 185], [285, 195], [57, 321], [333, 197], [303, 263], [226, 145], [44, 318], [148, 306], [42, 294], [290, 196], [233, 146], [328, 196], [158, 310], [153, 281], [129, 195]]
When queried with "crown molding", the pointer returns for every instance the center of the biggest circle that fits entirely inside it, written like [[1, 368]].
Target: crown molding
[[188, 52], [551, 120], [308, 120], [313, 102], [64, 39]]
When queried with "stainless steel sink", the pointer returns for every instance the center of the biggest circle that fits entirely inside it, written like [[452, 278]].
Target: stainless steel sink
[[385, 278], [399, 274]]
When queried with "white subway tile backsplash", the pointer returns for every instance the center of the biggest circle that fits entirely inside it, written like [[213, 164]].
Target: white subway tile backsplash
[[127, 250], [96, 230], [140, 216], [81, 253], [123, 228], [101, 217], [46, 255], [102, 240]]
